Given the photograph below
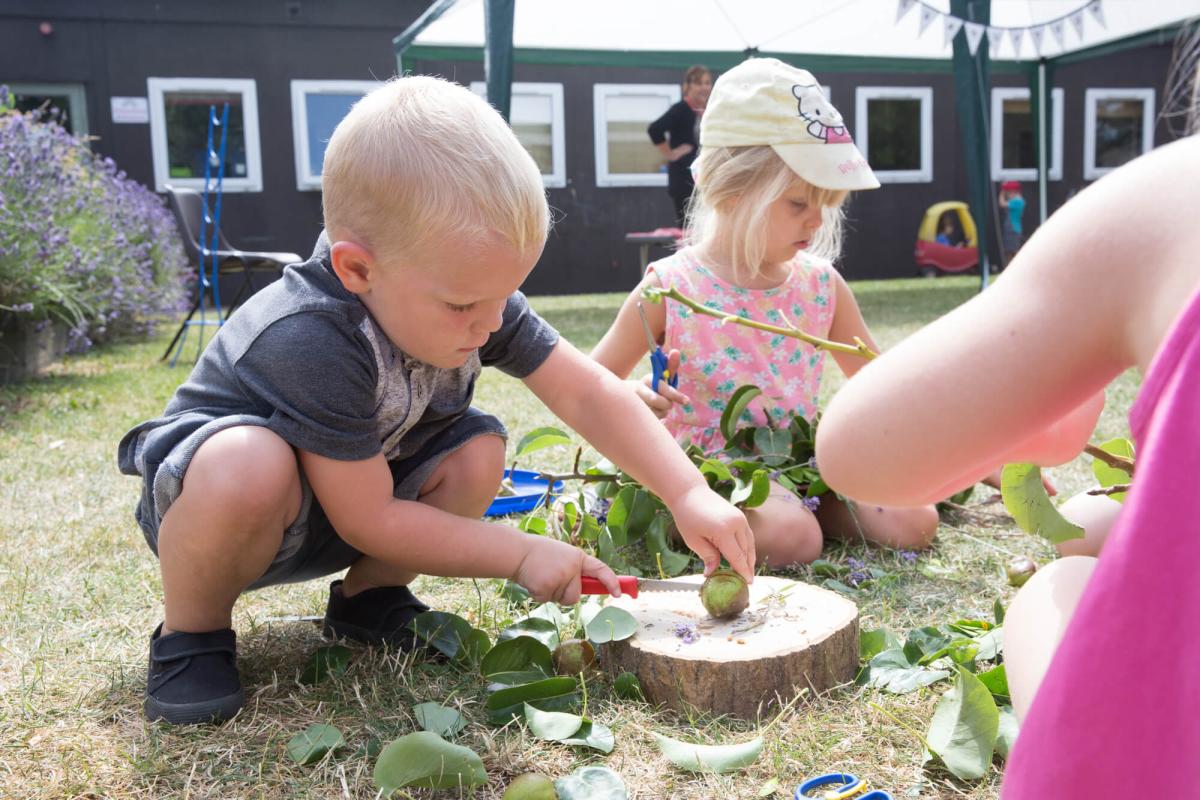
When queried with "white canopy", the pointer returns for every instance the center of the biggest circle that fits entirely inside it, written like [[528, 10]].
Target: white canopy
[[836, 27]]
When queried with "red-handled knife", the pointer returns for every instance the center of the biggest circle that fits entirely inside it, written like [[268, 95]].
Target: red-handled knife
[[631, 585]]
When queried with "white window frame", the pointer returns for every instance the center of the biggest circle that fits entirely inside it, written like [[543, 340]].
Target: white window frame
[[1090, 99], [864, 94], [156, 88], [75, 94], [557, 178], [1054, 171], [600, 93], [306, 181]]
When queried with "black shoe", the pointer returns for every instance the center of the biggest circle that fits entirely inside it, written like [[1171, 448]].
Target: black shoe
[[193, 677], [373, 616]]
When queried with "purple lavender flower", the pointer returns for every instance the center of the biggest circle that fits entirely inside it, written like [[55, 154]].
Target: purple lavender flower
[[811, 503], [909, 556], [687, 632], [600, 512]]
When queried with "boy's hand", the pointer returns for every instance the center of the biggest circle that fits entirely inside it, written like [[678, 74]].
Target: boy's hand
[[667, 396], [550, 570], [712, 528]]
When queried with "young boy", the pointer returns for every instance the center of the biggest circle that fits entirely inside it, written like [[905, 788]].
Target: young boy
[[329, 423]]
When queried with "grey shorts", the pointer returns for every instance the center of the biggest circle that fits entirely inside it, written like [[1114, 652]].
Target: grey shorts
[[311, 548]]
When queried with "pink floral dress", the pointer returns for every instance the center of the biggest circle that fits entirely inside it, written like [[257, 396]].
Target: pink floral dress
[[717, 358]]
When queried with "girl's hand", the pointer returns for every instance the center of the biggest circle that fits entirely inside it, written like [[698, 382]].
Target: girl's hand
[[713, 528], [550, 570], [667, 396]]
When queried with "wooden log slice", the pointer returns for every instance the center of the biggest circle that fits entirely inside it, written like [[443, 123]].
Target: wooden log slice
[[792, 636]]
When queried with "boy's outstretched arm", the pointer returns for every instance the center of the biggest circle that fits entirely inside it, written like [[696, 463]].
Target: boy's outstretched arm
[[357, 498], [603, 410]]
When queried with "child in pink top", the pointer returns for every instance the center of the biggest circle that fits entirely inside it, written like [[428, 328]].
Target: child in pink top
[[773, 171], [1111, 281]]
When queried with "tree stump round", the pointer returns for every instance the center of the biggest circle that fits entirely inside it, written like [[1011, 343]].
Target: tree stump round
[[793, 636]]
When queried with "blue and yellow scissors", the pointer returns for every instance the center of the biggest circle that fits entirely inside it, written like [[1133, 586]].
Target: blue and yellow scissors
[[658, 359], [838, 786]]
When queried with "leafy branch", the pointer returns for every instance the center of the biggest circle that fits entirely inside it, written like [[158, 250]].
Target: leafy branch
[[1112, 459], [656, 294]]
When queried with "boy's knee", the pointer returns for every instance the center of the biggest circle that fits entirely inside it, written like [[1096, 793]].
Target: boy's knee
[[480, 463], [920, 526], [248, 469], [785, 534]]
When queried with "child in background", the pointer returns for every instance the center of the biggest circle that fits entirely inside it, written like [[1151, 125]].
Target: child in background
[[1095, 661], [775, 166], [329, 423], [1012, 206], [946, 231]]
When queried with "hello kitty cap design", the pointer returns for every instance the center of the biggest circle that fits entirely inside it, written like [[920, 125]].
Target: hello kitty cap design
[[763, 101]]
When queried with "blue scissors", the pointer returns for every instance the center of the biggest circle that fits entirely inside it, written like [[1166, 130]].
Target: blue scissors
[[838, 786], [658, 359]]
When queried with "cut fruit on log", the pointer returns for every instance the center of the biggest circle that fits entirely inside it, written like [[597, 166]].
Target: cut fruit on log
[[794, 636]]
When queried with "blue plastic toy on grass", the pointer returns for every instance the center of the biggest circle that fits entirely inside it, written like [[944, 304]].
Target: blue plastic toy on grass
[[527, 493], [838, 786]]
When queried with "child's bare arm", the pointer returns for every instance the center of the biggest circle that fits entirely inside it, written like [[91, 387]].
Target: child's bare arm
[[848, 324], [357, 497], [600, 407], [1014, 374]]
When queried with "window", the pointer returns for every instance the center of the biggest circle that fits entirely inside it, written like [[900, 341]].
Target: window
[[894, 130], [68, 98], [536, 118], [317, 108], [179, 131], [624, 153], [1014, 139], [1118, 127]]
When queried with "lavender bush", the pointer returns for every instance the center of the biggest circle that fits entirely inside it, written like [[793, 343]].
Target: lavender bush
[[79, 240]]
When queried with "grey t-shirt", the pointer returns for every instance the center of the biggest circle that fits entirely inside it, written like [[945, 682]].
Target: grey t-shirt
[[304, 355]]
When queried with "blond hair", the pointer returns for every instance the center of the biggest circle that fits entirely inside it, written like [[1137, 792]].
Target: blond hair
[[734, 188], [421, 159]]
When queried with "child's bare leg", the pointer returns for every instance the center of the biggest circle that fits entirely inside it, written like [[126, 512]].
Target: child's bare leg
[[1035, 622], [1096, 515], [901, 528], [464, 483], [785, 532], [240, 492]]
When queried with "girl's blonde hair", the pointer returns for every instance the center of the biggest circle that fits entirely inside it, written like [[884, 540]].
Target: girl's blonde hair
[[421, 161], [734, 188]]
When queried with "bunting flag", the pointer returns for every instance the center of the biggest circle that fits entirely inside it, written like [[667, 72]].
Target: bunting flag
[[1017, 35], [1059, 30], [950, 28], [975, 31], [1036, 34], [974, 34], [1077, 21], [928, 15]]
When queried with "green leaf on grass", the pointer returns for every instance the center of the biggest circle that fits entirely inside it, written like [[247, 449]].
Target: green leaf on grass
[[628, 687], [964, 727], [872, 643], [325, 662], [593, 735], [996, 681], [449, 634], [428, 761], [892, 672], [310, 745], [709, 758], [922, 642], [514, 593], [612, 624], [514, 655], [591, 783], [549, 694], [1026, 499], [998, 611], [1111, 476], [539, 439], [1006, 734], [552, 725], [438, 719], [544, 630], [551, 613], [506, 680], [738, 401]]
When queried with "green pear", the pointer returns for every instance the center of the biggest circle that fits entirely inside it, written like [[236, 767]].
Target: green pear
[[725, 594]]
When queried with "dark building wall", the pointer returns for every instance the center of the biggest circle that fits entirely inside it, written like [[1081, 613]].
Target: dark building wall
[[112, 47]]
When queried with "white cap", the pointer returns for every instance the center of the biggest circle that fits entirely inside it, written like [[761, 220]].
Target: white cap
[[763, 101]]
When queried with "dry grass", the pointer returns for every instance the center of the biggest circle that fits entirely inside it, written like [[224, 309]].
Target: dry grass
[[80, 594]]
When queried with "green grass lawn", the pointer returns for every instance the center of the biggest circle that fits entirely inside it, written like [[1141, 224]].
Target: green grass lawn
[[80, 595]]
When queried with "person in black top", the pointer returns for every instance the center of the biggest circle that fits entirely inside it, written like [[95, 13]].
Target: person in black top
[[676, 134]]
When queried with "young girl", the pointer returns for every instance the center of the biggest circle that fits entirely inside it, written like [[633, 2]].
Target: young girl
[[1112, 280], [775, 166]]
